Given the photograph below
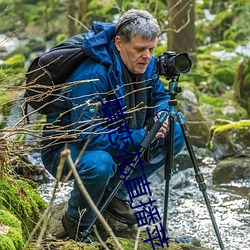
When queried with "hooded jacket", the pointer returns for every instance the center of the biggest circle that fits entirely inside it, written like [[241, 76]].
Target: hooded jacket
[[84, 118]]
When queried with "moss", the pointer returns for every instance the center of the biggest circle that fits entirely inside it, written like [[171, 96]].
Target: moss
[[16, 61], [21, 199], [214, 101], [9, 219], [219, 102], [129, 245], [220, 131], [229, 45], [13, 239], [13, 71], [235, 125], [174, 246], [225, 75], [16, 237], [6, 243]]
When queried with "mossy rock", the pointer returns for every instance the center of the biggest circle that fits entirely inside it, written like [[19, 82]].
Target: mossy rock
[[21, 199], [11, 237], [232, 139]]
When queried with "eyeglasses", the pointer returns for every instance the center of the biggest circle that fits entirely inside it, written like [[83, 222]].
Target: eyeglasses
[[124, 24]]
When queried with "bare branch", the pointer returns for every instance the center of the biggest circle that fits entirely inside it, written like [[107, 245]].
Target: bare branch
[[66, 154]]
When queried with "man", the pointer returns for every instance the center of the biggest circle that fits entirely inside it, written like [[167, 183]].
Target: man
[[121, 69]]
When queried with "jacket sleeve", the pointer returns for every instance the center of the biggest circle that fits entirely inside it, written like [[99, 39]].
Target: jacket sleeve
[[87, 118]]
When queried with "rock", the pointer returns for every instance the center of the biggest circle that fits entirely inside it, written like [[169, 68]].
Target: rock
[[181, 179], [197, 125], [232, 139], [231, 169], [190, 96]]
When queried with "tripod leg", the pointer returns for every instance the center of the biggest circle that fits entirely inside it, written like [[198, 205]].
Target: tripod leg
[[199, 176], [168, 167]]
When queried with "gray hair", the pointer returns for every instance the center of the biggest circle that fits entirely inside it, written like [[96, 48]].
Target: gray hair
[[137, 22]]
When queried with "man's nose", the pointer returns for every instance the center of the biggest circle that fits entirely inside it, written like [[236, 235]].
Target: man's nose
[[146, 54]]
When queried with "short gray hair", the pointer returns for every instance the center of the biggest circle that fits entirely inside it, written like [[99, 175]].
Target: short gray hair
[[137, 22]]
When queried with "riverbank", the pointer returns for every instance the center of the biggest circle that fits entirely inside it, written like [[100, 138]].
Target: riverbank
[[188, 216]]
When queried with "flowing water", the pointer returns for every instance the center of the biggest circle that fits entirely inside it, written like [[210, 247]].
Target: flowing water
[[187, 212]]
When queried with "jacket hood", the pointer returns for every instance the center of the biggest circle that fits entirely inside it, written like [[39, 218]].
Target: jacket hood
[[98, 43]]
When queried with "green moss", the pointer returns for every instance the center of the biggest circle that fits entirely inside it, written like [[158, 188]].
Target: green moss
[[21, 199], [9, 219], [13, 71], [13, 239], [225, 75], [16, 237], [129, 245], [212, 100], [235, 125], [16, 61], [6, 243], [228, 45], [239, 128]]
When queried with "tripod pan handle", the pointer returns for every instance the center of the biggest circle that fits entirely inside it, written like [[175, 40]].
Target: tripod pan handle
[[153, 131]]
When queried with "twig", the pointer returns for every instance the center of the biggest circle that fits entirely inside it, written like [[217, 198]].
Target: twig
[[137, 238], [66, 154], [99, 238], [77, 21]]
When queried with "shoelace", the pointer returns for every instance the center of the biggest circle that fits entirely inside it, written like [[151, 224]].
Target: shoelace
[[126, 204]]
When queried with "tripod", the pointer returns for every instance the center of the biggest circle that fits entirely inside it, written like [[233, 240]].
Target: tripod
[[173, 114], [173, 90]]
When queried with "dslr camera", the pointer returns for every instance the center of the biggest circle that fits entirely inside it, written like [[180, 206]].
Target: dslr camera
[[171, 65]]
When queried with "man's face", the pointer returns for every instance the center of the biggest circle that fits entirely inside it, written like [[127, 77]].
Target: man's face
[[137, 53]]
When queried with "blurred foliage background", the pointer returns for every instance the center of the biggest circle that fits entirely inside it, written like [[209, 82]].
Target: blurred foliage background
[[215, 34]]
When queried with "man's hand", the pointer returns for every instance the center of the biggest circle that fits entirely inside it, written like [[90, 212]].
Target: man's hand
[[164, 128]]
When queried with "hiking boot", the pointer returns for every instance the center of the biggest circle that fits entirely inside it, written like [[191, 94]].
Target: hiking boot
[[74, 231], [121, 211]]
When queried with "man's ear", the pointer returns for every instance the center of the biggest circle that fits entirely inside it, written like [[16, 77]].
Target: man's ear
[[118, 43]]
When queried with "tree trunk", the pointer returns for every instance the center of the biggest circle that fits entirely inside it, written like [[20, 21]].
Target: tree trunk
[[71, 6], [181, 27], [83, 7]]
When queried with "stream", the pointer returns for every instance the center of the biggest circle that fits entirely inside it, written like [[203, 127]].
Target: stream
[[187, 212]]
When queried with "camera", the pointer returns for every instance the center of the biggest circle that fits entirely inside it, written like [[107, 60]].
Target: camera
[[171, 65]]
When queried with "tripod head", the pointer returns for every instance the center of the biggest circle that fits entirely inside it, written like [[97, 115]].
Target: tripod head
[[174, 89]]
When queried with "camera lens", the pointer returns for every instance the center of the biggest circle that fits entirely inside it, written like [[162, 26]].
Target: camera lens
[[171, 64], [182, 63]]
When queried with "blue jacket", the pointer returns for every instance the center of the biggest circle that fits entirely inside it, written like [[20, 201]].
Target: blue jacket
[[83, 99]]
